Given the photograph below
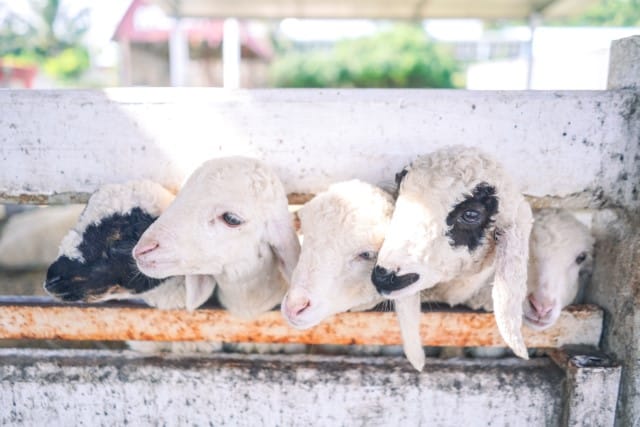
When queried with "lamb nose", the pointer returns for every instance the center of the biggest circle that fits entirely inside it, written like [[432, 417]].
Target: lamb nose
[[381, 272], [541, 307], [144, 248], [382, 278], [302, 306]]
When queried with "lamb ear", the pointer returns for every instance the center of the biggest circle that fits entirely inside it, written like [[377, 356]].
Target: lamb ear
[[282, 238], [408, 312], [199, 288], [510, 282]]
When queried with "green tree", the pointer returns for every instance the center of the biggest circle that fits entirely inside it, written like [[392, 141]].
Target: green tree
[[396, 58], [48, 35], [608, 13]]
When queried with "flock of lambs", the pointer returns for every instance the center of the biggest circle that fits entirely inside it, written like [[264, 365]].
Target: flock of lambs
[[455, 230]]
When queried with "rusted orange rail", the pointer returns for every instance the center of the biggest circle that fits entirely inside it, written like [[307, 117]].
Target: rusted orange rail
[[38, 319]]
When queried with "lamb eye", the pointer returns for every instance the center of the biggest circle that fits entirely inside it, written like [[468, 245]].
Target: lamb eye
[[367, 255], [470, 217], [580, 258], [231, 220]]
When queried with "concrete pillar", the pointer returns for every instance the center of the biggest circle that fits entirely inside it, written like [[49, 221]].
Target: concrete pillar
[[231, 54], [534, 22], [616, 281], [624, 64], [125, 73], [178, 54], [591, 387]]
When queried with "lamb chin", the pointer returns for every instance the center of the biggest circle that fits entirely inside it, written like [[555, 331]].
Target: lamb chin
[[301, 324], [156, 270], [537, 325]]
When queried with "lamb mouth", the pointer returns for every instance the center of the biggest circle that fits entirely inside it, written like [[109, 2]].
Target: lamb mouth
[[536, 323], [153, 264]]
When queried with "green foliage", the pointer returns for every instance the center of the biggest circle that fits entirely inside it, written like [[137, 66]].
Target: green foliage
[[608, 13], [48, 36], [400, 57]]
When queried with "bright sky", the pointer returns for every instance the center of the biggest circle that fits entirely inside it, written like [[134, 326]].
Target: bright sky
[[105, 16]]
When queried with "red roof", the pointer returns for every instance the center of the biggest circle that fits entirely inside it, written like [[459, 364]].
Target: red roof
[[210, 31]]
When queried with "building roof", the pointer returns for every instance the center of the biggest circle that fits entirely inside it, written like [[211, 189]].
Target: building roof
[[374, 9]]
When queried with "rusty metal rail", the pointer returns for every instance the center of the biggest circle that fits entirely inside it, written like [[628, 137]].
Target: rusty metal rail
[[31, 318]]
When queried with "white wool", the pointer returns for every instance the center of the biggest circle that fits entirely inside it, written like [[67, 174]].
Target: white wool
[[417, 241], [339, 226], [252, 262]]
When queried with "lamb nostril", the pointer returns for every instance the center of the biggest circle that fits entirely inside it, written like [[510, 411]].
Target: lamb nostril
[[295, 306], [145, 248], [303, 307], [54, 279], [381, 271], [50, 282]]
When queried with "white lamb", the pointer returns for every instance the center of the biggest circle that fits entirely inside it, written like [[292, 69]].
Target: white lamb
[[459, 222], [95, 263], [343, 230], [230, 222], [561, 248]]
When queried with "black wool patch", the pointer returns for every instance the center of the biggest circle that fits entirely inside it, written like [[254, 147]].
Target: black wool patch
[[469, 219], [108, 265], [399, 177]]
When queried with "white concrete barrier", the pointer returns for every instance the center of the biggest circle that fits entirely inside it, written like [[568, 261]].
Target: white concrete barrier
[[554, 143], [110, 388]]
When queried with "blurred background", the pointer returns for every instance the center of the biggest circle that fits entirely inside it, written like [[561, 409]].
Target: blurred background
[[480, 44]]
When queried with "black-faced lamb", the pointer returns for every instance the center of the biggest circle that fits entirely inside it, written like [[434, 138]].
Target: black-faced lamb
[[95, 262], [458, 223], [230, 220]]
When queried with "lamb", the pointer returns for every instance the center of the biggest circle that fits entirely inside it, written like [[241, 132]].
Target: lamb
[[459, 223], [561, 249], [95, 263], [230, 221], [343, 229]]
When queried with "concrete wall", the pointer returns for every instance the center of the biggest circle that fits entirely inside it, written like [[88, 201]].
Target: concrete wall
[[73, 141], [109, 388]]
